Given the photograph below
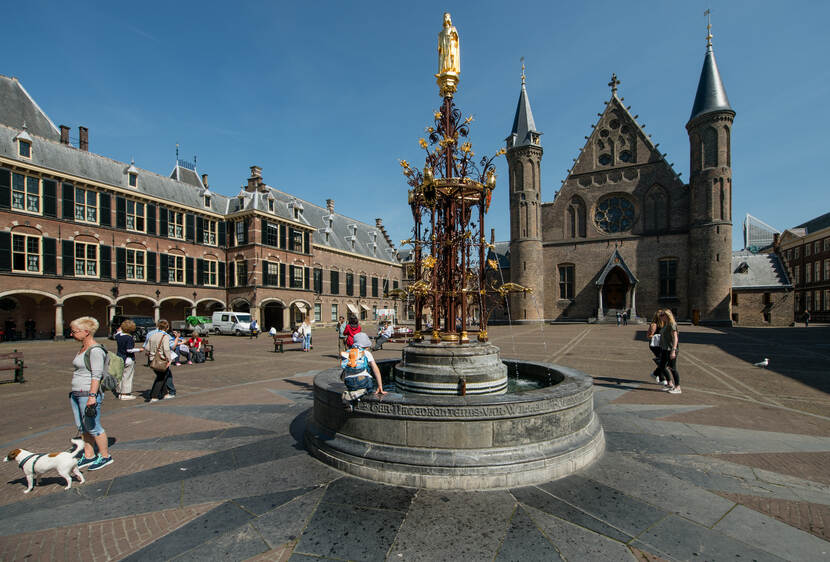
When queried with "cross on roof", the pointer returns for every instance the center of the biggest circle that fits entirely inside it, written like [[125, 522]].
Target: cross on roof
[[523, 71], [614, 83]]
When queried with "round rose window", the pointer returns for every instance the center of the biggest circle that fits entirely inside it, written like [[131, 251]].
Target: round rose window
[[614, 214]]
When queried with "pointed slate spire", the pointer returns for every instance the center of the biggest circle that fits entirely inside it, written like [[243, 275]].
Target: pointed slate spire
[[711, 95], [524, 128]]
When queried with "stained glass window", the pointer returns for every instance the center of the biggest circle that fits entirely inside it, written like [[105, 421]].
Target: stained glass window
[[614, 214]]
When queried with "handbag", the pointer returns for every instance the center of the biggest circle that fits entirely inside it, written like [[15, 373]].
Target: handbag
[[159, 362]]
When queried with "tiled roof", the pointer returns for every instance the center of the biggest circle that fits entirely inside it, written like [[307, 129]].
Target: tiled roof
[[816, 224], [758, 271], [17, 107], [184, 185]]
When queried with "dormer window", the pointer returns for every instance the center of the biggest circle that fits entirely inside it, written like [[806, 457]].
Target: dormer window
[[132, 175], [271, 205], [207, 200], [24, 143], [296, 209], [24, 148]]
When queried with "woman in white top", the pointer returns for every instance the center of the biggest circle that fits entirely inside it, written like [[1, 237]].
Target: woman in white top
[[86, 396], [305, 332]]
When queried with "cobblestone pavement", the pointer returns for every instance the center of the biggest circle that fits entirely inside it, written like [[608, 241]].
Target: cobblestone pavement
[[736, 466]]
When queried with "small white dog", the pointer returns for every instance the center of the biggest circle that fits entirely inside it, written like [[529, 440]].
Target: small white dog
[[36, 464]]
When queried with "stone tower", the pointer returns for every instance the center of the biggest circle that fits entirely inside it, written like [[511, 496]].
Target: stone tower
[[710, 201], [524, 156]]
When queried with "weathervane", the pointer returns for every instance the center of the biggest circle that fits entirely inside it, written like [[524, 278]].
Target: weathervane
[[708, 14]]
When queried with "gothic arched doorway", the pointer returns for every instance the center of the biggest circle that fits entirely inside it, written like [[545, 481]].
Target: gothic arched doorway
[[614, 289]]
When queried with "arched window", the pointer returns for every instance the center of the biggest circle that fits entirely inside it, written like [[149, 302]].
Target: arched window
[[728, 141], [576, 218], [657, 212], [710, 148]]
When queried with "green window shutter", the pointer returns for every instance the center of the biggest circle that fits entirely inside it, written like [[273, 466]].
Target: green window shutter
[[221, 233], [50, 259], [200, 271], [105, 203], [6, 191], [151, 267], [106, 261], [188, 271], [68, 203], [221, 274], [282, 275], [5, 250], [121, 263], [200, 230], [190, 227], [282, 236], [151, 219], [68, 256], [165, 272], [121, 213], [50, 198], [306, 276], [162, 222]]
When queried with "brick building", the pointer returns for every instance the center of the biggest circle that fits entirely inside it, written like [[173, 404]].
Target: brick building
[[762, 294], [805, 250], [81, 234], [625, 233]]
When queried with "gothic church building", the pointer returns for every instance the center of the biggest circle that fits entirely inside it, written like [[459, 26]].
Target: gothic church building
[[624, 233]]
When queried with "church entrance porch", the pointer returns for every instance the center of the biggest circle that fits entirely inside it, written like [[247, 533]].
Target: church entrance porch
[[615, 289]]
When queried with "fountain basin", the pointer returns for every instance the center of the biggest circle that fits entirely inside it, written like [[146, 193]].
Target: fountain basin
[[436, 368], [460, 442]]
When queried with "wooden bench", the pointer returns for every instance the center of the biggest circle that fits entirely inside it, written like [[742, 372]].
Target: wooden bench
[[280, 340], [13, 362]]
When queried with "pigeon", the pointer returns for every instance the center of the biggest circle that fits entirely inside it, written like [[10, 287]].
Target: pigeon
[[763, 363]]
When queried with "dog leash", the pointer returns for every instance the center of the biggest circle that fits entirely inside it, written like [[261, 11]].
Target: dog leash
[[24, 461]]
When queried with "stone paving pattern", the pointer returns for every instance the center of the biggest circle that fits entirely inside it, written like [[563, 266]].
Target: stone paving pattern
[[735, 467]]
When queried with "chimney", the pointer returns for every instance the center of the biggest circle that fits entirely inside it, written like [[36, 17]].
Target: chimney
[[204, 180], [64, 134], [256, 178], [492, 236], [330, 206], [83, 142]]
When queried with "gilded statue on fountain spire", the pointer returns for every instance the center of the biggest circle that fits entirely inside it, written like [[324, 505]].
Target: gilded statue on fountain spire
[[449, 58]]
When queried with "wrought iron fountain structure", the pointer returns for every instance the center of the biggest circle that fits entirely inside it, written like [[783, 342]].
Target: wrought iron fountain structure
[[451, 423]]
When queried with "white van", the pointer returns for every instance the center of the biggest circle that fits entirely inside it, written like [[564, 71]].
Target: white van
[[229, 322]]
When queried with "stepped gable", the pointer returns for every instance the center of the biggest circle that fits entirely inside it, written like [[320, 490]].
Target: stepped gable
[[758, 271]]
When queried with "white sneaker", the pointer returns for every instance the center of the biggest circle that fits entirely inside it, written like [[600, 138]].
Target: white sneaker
[[674, 391], [126, 397], [169, 396], [153, 400]]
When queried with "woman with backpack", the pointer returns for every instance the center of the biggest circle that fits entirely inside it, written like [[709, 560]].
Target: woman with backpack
[[356, 363], [158, 344], [86, 396]]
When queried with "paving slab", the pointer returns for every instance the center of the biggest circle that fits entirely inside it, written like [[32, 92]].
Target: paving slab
[[680, 539], [605, 503], [453, 526], [641, 480], [285, 524], [772, 535], [577, 543], [525, 541]]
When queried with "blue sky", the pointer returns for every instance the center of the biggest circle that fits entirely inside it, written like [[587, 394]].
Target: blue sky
[[327, 96]]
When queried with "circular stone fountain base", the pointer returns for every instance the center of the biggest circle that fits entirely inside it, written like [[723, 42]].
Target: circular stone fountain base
[[460, 442], [430, 368]]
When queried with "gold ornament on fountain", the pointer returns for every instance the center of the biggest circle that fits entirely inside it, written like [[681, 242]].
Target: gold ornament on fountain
[[508, 288], [428, 175], [449, 58]]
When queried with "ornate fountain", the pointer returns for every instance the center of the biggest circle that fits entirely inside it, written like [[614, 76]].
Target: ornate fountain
[[452, 423]]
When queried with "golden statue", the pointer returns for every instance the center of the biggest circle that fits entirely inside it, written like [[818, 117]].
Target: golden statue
[[449, 57]]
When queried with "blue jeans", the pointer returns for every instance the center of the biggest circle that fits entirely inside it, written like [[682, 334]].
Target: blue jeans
[[85, 424], [306, 342], [360, 381]]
